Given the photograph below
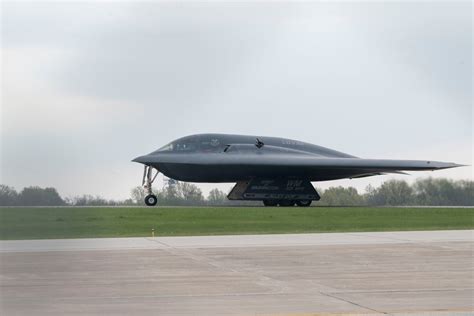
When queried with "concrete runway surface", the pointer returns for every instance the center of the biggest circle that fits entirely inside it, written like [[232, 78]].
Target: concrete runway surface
[[389, 273]]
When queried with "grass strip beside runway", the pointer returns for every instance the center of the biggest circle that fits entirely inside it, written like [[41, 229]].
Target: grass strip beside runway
[[70, 222]]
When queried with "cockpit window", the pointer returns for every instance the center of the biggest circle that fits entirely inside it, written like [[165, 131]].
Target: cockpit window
[[168, 147], [185, 146], [194, 144]]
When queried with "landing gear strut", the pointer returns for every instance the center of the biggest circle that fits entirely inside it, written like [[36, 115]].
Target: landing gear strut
[[148, 178]]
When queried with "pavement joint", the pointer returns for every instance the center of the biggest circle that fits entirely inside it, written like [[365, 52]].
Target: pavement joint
[[354, 303]]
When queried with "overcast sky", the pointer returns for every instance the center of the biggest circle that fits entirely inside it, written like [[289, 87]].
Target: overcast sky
[[86, 87]]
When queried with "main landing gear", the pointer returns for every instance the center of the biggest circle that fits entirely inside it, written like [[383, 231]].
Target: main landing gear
[[148, 178], [301, 203]]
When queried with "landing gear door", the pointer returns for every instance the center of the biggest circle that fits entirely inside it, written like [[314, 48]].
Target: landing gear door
[[279, 189]]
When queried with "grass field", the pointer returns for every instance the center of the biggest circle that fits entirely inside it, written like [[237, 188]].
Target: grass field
[[34, 223]]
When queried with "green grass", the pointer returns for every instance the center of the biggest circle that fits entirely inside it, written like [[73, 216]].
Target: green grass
[[34, 223]]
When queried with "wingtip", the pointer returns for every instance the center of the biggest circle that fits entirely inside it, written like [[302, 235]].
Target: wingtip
[[453, 165]]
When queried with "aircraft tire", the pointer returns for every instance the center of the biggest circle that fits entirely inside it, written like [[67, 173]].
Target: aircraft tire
[[270, 202], [286, 203], [303, 203], [151, 200]]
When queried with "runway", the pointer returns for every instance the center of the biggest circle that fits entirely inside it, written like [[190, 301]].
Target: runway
[[389, 273]]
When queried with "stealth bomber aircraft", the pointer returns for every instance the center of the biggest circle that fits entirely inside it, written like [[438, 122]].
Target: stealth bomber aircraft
[[277, 171]]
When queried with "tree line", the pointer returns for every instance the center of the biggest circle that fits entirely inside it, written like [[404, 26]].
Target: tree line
[[430, 192]]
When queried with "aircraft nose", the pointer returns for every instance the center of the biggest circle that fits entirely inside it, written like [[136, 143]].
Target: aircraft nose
[[141, 159]]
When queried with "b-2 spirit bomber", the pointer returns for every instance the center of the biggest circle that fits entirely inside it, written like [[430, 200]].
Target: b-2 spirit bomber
[[277, 171]]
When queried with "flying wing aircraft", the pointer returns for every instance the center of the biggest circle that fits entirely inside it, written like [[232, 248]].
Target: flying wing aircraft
[[277, 171]]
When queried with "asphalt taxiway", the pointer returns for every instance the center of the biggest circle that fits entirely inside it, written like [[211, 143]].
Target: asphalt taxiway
[[394, 273]]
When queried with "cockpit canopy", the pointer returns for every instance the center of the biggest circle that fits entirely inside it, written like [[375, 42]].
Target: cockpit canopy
[[216, 143], [194, 143]]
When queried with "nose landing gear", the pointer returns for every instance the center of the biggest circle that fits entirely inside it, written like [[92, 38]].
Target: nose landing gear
[[148, 178], [150, 200]]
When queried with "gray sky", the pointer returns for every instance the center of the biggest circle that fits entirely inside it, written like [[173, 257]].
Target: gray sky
[[86, 87]]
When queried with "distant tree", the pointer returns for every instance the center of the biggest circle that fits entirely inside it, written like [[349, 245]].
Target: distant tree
[[443, 192], [392, 192], [189, 193], [170, 193], [369, 190], [341, 196], [8, 196], [216, 197], [89, 200], [466, 193], [127, 202], [432, 192], [138, 194], [36, 196]]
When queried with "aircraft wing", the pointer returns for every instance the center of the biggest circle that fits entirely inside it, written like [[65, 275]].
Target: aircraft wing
[[379, 165], [336, 168], [385, 165], [291, 160], [226, 167]]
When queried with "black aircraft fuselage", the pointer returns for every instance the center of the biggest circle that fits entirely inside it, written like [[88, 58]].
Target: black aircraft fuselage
[[240, 158]]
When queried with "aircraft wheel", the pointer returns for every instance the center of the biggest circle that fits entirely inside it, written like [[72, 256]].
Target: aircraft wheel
[[270, 202], [151, 200], [304, 203], [286, 203]]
